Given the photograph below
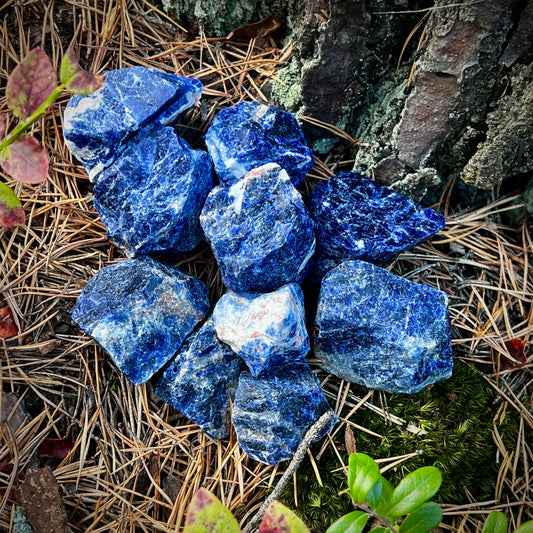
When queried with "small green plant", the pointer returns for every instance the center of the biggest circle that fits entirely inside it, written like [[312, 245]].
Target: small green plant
[[31, 90], [497, 523], [376, 499]]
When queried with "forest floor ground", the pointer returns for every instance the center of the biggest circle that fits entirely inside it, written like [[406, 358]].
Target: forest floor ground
[[135, 462]]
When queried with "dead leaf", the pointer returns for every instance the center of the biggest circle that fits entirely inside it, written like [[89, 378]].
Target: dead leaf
[[40, 502], [515, 347], [8, 328], [55, 448], [12, 412], [257, 30], [349, 440]]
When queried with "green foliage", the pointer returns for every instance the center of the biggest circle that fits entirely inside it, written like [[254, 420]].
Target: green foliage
[[363, 474], [496, 523], [425, 519], [279, 518], [31, 89], [351, 523]]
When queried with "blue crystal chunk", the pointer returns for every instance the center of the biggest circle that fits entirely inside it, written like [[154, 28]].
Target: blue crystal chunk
[[201, 380], [272, 412], [381, 330], [266, 330], [248, 135], [97, 126], [357, 218], [140, 311], [151, 196], [260, 231]]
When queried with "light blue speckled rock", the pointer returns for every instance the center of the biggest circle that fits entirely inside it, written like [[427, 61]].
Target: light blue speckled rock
[[97, 126], [141, 311], [151, 196], [260, 231], [201, 380], [382, 331], [266, 330], [272, 413], [357, 218], [248, 135]]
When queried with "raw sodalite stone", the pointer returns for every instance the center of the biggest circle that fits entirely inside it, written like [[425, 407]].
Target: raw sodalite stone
[[151, 196], [97, 126], [248, 135], [357, 218], [381, 330], [260, 231], [140, 311], [272, 413], [201, 380], [266, 330]]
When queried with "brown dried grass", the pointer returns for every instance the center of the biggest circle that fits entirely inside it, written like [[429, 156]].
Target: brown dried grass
[[136, 462]]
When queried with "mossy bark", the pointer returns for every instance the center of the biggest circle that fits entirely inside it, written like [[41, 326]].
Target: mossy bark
[[469, 82]]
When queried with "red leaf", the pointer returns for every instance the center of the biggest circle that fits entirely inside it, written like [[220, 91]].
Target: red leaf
[[31, 83], [75, 79], [2, 126], [11, 212], [515, 347], [25, 160], [55, 448], [8, 328]]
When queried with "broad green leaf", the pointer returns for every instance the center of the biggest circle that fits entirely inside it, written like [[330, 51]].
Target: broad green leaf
[[280, 519], [363, 473], [11, 212], [526, 527], [25, 160], [75, 79], [496, 523], [350, 523], [379, 496], [30, 84], [414, 489], [425, 519], [207, 514], [379, 530]]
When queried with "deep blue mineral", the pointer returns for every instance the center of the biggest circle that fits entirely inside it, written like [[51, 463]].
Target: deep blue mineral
[[266, 330], [201, 380], [249, 135], [151, 196], [260, 231], [381, 330], [140, 311], [272, 412], [357, 218], [97, 126]]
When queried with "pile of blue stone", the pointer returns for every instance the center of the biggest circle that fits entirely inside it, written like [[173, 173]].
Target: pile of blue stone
[[244, 362]]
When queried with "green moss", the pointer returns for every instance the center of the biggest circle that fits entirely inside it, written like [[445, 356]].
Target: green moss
[[457, 417], [288, 94]]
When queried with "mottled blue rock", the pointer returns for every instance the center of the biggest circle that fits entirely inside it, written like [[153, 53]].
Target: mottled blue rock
[[249, 135], [272, 412], [357, 218], [97, 126], [151, 196], [266, 330], [260, 231], [381, 330], [201, 380], [140, 311]]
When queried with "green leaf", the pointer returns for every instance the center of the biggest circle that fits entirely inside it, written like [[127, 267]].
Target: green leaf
[[425, 519], [363, 473], [31, 83], [75, 79], [379, 496], [496, 523], [350, 523], [25, 160], [526, 527], [414, 489], [207, 514], [280, 519], [11, 212], [379, 530]]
